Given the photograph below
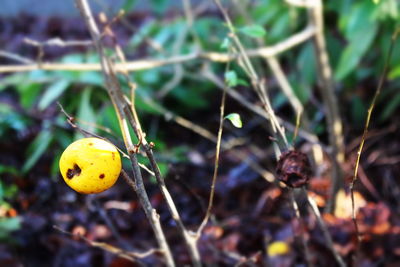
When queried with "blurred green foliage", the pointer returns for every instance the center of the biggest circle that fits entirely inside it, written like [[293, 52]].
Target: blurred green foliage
[[7, 224], [357, 32]]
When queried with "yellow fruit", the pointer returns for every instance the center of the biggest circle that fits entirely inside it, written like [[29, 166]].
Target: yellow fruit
[[278, 248], [90, 165]]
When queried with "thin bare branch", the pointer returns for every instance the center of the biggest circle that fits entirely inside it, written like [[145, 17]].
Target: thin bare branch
[[301, 3], [117, 98], [366, 126], [276, 69], [58, 42], [216, 164], [129, 255], [16, 57], [144, 64], [302, 236], [310, 137], [324, 229], [258, 85], [327, 91], [133, 119]]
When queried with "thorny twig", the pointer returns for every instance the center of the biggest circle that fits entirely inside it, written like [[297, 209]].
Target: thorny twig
[[276, 69], [366, 126], [273, 119], [72, 122], [310, 137], [120, 105], [324, 229], [285, 86], [131, 114], [258, 85]]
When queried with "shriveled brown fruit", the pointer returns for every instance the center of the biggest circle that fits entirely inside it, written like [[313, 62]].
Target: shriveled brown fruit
[[293, 168]]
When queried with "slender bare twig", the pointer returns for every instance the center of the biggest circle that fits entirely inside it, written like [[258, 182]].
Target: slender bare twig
[[366, 126], [53, 42], [72, 122], [257, 84], [131, 114], [324, 229], [276, 69], [117, 98], [333, 120], [94, 205], [144, 64], [169, 115], [274, 65], [16, 57], [302, 236], [327, 91], [310, 137], [301, 3], [58, 42], [189, 238], [216, 164], [129, 255], [285, 86]]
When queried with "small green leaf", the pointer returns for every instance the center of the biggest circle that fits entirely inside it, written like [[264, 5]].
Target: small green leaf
[[254, 31], [225, 43], [52, 93], [394, 73], [231, 78], [235, 119]]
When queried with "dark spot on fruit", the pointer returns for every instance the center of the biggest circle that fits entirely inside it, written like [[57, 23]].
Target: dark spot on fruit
[[113, 155], [72, 172], [90, 144], [101, 176]]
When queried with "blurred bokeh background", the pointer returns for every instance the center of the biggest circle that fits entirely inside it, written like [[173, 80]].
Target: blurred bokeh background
[[251, 212]]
